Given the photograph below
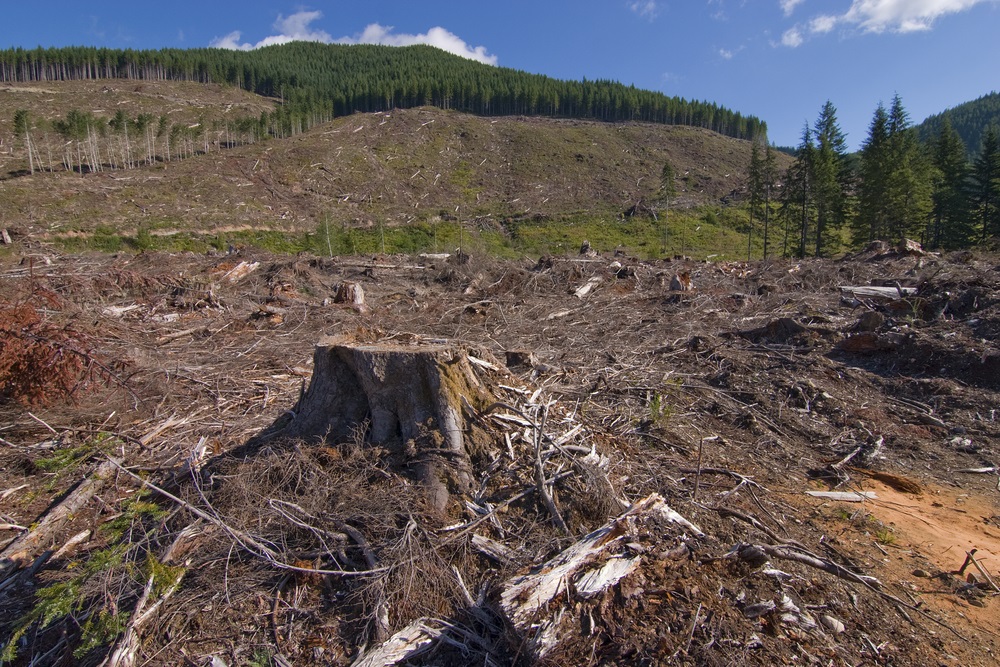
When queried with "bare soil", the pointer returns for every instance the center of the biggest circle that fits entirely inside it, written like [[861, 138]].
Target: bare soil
[[731, 401]]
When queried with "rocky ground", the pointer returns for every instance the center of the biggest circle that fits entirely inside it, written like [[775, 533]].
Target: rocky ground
[[679, 433]]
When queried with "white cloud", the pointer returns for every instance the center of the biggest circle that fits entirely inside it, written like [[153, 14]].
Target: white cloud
[[726, 54], [437, 36], [877, 16], [792, 38], [647, 9], [903, 15], [822, 24], [296, 28], [788, 6]]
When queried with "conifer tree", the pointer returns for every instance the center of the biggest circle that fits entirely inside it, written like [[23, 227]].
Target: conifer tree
[[950, 225], [666, 192], [797, 209], [872, 219], [22, 128], [987, 184], [908, 176], [755, 185], [830, 177], [770, 176]]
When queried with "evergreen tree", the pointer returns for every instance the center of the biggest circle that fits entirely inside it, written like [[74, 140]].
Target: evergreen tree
[[830, 178], [666, 192], [908, 176], [987, 184], [755, 185], [22, 128], [761, 179], [769, 177], [873, 215], [950, 226], [797, 206]]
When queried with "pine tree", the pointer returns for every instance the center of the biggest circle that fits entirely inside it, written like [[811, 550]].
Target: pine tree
[[770, 176], [830, 177], [950, 226], [22, 127], [755, 177], [666, 192], [797, 208], [872, 219], [987, 184], [909, 176]]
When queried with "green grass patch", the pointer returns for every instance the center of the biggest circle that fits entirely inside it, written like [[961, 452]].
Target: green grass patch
[[718, 233]]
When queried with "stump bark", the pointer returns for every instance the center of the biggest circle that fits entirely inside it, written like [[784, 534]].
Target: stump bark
[[407, 399]]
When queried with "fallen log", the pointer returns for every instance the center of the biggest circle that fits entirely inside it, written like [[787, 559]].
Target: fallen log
[[23, 550]]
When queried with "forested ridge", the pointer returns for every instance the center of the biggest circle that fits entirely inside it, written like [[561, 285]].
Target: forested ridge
[[970, 120], [316, 82]]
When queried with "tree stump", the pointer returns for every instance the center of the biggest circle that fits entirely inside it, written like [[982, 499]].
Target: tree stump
[[411, 399]]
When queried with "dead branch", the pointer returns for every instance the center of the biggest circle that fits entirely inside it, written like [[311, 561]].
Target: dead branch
[[550, 505], [245, 540], [970, 557], [871, 583]]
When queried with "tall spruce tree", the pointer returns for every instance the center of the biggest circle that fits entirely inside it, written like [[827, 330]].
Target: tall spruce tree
[[830, 178], [987, 184], [909, 176], [950, 224], [761, 179], [796, 208], [770, 177], [755, 184], [872, 219]]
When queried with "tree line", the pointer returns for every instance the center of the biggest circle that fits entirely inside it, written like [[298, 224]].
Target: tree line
[[318, 81], [897, 186]]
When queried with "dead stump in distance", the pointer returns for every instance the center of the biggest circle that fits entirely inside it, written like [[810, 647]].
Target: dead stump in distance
[[411, 398]]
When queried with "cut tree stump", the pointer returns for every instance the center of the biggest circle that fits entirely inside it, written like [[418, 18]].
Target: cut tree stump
[[405, 398]]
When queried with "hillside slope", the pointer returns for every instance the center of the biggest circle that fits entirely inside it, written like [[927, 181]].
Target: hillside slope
[[369, 169], [970, 120]]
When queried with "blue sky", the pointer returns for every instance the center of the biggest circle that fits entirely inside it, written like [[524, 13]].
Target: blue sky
[[776, 59]]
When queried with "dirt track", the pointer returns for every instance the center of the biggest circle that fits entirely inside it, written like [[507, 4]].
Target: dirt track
[[763, 378]]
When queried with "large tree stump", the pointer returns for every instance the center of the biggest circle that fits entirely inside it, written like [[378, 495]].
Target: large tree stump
[[409, 397]]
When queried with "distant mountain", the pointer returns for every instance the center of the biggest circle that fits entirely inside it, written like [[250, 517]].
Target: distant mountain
[[316, 82], [970, 120]]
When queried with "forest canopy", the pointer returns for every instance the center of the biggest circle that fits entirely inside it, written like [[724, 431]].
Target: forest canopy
[[319, 81]]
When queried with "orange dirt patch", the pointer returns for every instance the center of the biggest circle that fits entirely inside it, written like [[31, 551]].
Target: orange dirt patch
[[942, 524]]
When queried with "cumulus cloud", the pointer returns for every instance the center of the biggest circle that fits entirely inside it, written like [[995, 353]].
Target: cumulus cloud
[[792, 38], [898, 16], [822, 24], [438, 36], [788, 6], [876, 16], [297, 28], [294, 28], [647, 9]]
